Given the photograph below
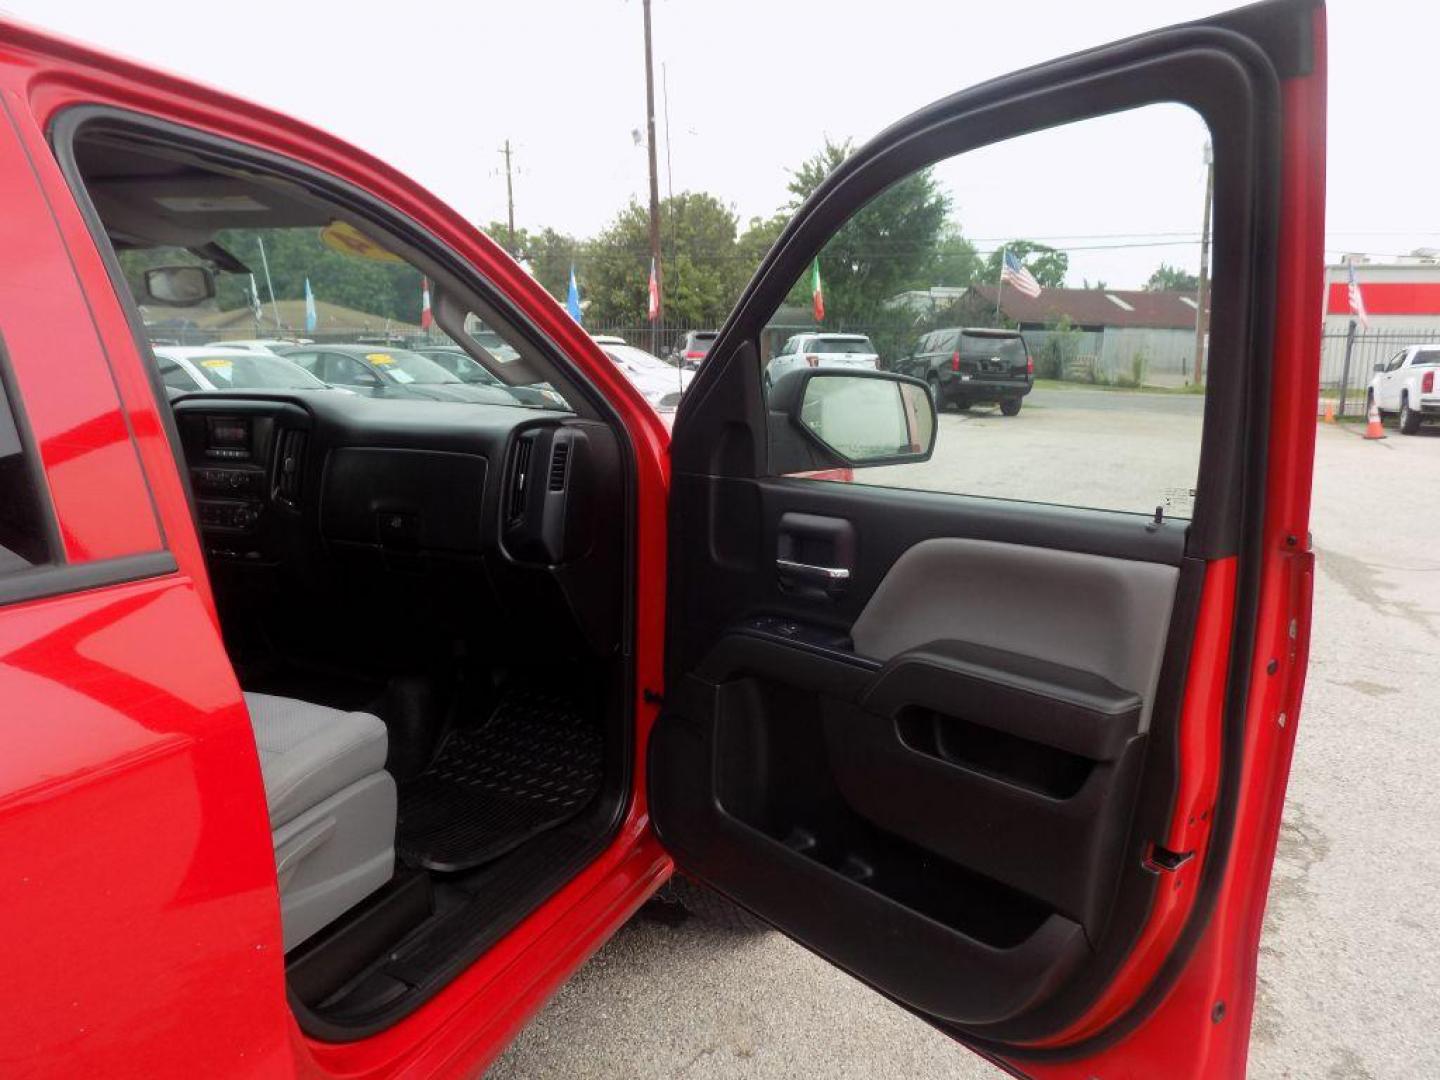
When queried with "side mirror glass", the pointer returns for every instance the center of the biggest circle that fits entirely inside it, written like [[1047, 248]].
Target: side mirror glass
[[179, 286], [862, 417], [1379, 368]]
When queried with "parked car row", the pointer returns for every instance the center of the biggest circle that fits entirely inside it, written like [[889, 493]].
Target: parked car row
[[962, 366], [433, 373]]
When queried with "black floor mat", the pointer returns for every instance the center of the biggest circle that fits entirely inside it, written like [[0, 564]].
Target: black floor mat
[[532, 766]]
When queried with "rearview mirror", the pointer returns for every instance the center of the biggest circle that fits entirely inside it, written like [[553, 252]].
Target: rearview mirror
[[859, 418], [179, 286]]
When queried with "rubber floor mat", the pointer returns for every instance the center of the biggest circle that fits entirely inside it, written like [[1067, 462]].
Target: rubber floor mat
[[532, 766]]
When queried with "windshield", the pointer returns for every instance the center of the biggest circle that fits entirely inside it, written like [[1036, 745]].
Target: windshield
[[326, 297], [848, 346], [408, 367], [255, 371], [462, 364], [497, 346]]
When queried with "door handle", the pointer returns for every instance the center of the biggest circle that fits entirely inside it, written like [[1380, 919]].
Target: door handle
[[812, 573], [830, 579]]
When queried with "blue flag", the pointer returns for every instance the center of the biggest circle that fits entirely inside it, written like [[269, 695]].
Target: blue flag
[[572, 299], [310, 319]]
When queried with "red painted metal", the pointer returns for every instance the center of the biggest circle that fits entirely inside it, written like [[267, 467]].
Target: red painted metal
[[139, 881], [1386, 298], [91, 467]]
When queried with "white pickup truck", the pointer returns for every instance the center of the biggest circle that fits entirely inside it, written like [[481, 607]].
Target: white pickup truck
[[1408, 384]]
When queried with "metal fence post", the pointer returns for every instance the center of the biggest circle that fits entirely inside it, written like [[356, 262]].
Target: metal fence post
[[1345, 369]]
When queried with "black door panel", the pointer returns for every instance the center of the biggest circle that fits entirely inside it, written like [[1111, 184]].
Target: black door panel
[[777, 832], [964, 800]]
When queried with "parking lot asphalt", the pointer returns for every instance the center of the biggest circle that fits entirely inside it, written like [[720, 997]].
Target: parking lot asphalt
[[1348, 985]]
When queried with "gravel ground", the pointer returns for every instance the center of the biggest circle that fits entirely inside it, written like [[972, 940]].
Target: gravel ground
[[1347, 986]]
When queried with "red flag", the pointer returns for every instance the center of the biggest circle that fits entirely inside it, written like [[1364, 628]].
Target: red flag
[[425, 318], [653, 312]]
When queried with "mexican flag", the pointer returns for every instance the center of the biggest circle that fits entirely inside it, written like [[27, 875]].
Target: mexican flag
[[425, 316], [817, 294]]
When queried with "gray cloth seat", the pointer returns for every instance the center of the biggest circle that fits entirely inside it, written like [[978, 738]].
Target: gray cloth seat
[[331, 806]]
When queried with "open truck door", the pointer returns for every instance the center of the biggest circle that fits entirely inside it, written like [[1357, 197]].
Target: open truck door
[[1017, 765]]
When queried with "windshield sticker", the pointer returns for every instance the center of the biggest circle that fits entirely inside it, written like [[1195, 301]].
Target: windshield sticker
[[215, 363], [380, 358], [343, 237], [400, 375], [1179, 501]]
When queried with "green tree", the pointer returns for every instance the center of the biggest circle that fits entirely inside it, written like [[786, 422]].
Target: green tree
[[547, 252], [702, 268], [956, 260], [1048, 264], [1167, 278], [758, 238], [891, 244]]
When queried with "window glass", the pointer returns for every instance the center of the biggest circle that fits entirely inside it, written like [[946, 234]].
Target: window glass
[[346, 371], [23, 536], [329, 285], [174, 376], [1048, 306]]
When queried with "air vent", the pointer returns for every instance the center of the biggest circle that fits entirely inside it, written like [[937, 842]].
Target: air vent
[[290, 465], [519, 476], [559, 464]]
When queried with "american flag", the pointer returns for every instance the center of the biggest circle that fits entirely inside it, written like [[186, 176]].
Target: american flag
[[1014, 272], [1357, 302]]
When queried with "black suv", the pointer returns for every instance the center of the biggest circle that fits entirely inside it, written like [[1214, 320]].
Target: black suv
[[966, 367]]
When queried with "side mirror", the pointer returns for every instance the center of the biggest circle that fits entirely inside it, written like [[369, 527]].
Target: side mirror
[[179, 286], [855, 418], [1380, 367]]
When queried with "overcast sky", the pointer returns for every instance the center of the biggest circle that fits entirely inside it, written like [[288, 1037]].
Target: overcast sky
[[756, 85]]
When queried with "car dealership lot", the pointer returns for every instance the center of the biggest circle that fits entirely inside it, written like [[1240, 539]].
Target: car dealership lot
[[1348, 988]]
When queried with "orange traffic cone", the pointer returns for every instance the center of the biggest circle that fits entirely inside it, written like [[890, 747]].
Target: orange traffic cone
[[1329, 412], [1373, 430]]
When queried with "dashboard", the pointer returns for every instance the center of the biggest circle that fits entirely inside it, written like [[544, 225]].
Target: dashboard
[[493, 508]]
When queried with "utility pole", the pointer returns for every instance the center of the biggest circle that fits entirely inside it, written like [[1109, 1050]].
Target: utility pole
[[654, 184], [509, 201], [1202, 294]]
